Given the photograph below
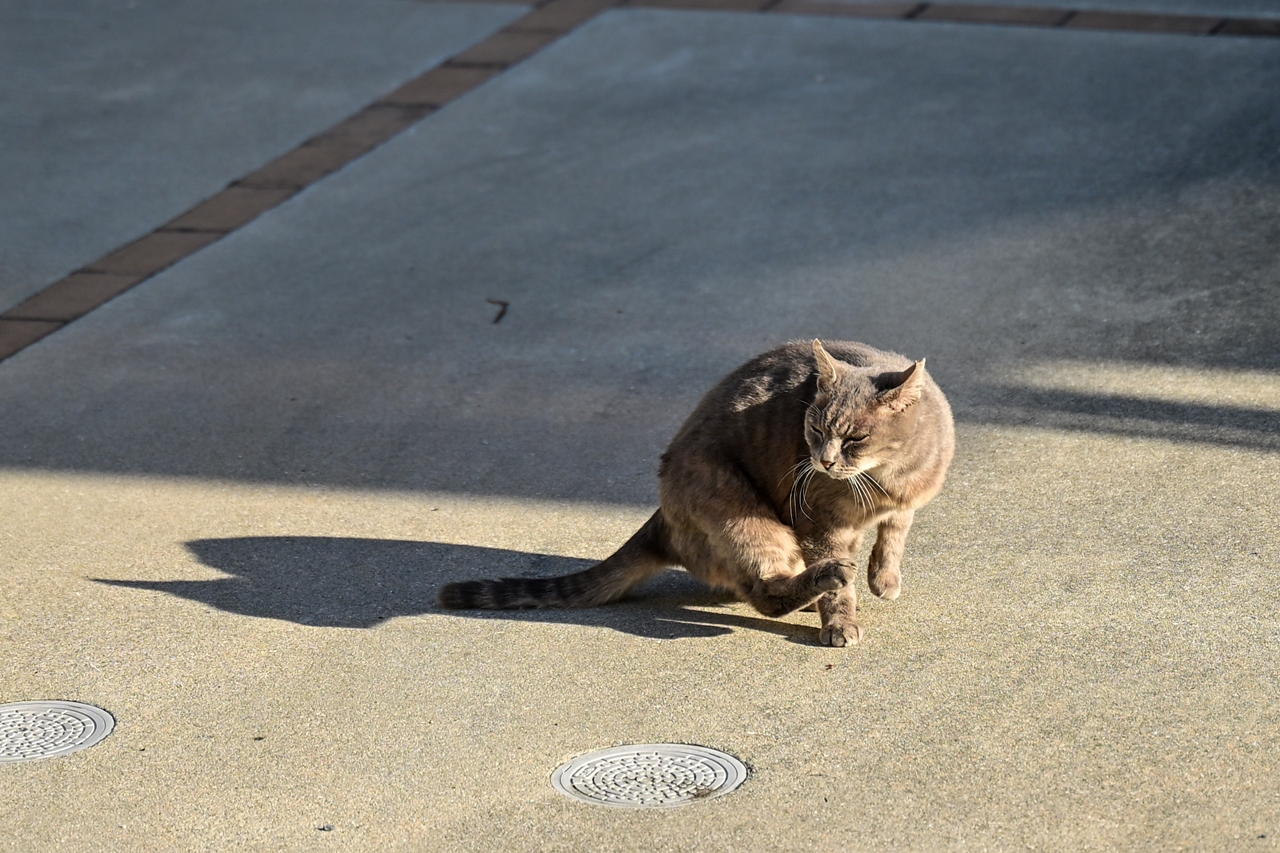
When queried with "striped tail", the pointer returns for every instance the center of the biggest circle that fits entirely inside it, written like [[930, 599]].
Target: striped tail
[[643, 555]]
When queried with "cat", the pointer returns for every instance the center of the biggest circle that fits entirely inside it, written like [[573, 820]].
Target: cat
[[768, 487]]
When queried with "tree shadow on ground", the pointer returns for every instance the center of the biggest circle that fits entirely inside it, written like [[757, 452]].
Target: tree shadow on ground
[[1115, 414], [359, 583]]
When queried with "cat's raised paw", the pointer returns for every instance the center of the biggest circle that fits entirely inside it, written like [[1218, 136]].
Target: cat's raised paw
[[833, 574], [848, 634]]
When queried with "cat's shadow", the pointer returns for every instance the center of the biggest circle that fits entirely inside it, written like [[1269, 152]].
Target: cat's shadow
[[360, 583]]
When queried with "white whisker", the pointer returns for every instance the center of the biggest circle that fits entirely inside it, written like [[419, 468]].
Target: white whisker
[[875, 483], [857, 490], [865, 498], [797, 498], [805, 479], [792, 471]]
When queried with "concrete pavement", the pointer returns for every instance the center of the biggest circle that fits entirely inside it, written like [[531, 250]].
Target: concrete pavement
[[119, 114], [232, 491]]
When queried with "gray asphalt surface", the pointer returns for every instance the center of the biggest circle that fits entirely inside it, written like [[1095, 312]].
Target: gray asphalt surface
[[231, 493]]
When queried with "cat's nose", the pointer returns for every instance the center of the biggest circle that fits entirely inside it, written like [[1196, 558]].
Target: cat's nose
[[827, 465]]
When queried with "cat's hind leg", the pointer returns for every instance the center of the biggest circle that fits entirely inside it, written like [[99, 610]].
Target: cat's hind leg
[[726, 533], [780, 594], [759, 559]]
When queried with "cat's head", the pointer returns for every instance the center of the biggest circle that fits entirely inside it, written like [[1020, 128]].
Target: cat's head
[[861, 416]]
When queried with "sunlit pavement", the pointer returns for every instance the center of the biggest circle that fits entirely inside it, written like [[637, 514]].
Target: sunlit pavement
[[231, 492]]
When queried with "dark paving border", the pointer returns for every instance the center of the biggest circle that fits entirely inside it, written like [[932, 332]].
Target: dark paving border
[[245, 199]]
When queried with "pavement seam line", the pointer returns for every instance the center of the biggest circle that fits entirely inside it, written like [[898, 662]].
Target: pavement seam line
[[988, 14], [248, 197], [1025, 16], [251, 195]]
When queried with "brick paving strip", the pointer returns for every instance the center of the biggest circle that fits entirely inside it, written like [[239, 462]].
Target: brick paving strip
[[252, 195]]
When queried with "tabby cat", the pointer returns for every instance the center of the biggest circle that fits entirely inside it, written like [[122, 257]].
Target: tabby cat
[[768, 487]]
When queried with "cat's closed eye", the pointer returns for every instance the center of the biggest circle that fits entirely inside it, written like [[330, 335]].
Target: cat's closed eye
[[854, 440]]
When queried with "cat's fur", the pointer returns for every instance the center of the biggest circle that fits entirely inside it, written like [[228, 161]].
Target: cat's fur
[[768, 487]]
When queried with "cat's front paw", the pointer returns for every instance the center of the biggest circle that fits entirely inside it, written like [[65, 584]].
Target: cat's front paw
[[832, 574], [885, 583], [840, 635]]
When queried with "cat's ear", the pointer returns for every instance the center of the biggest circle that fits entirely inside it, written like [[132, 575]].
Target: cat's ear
[[904, 388], [826, 367]]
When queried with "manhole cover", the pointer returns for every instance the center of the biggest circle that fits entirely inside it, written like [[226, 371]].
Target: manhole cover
[[31, 730], [650, 776]]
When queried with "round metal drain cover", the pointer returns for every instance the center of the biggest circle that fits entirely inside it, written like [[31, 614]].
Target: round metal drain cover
[[650, 776], [31, 730]]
